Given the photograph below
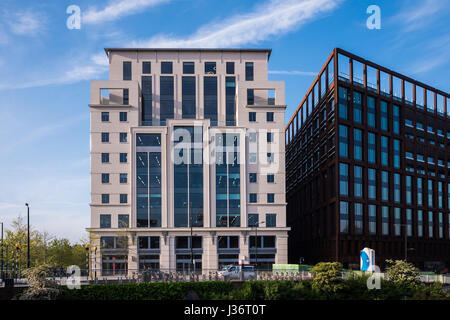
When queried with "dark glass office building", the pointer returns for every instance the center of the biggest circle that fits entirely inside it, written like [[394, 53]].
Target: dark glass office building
[[367, 165]]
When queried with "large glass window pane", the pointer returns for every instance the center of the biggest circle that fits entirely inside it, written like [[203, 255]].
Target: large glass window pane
[[343, 217], [357, 107], [343, 179], [343, 141], [343, 103], [166, 99]]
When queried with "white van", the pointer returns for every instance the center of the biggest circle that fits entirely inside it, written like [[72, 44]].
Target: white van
[[233, 272]]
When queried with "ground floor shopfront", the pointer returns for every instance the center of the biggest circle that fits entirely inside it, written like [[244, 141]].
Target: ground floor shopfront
[[114, 253]]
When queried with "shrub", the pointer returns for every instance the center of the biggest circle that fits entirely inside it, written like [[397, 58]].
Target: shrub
[[327, 277], [40, 287], [402, 273]]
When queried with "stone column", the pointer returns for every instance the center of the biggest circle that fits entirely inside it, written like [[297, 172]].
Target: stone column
[[282, 249], [209, 259], [133, 258], [166, 250]]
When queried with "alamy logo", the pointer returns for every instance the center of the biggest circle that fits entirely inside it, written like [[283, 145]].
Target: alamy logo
[[74, 20], [374, 20], [74, 279], [374, 281]]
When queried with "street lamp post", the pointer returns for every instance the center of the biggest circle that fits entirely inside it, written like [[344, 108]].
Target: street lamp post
[[256, 242], [87, 260], [28, 235], [17, 260], [95, 263]]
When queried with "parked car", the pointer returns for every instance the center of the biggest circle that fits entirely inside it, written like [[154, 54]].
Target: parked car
[[233, 272]]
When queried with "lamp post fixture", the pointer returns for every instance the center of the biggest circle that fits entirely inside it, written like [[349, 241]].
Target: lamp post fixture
[[17, 259], [256, 242], [95, 263], [86, 246], [28, 235]]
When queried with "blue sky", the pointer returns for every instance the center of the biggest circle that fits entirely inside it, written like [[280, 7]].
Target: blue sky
[[45, 71]]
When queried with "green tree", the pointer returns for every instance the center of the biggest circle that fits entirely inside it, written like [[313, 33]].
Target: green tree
[[327, 277], [402, 272]]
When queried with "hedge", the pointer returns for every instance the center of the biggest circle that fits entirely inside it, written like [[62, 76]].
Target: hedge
[[352, 289]]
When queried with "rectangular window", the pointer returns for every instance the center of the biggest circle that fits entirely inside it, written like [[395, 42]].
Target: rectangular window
[[253, 219], [230, 92], [252, 177], [269, 116], [123, 198], [371, 148], [252, 116], [125, 97], [147, 100], [123, 116], [269, 137], [372, 219], [123, 137], [343, 217], [146, 67], [385, 220], [105, 198], [420, 223], [396, 153], [250, 97], [397, 222], [166, 99], [430, 194], [343, 179], [396, 119], [409, 223], [419, 192], [343, 105], [105, 157], [357, 144], [270, 157], [384, 151], [105, 137], [253, 198], [440, 195], [384, 186], [126, 70], [123, 178], [210, 99], [441, 225], [105, 116], [105, 177], [210, 67], [270, 198], [384, 116], [230, 67], [249, 71], [397, 188], [343, 141], [358, 181], [188, 97], [430, 224], [408, 190], [359, 218], [123, 157], [357, 107], [271, 220], [188, 67], [372, 184], [123, 221], [166, 67], [270, 178], [371, 112], [105, 221]]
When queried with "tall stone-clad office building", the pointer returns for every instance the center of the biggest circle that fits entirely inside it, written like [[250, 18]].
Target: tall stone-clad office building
[[368, 162], [187, 161]]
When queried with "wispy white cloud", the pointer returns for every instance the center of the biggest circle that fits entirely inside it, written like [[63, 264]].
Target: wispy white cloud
[[36, 134], [419, 14], [118, 9], [27, 22], [292, 72], [270, 19], [84, 70]]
